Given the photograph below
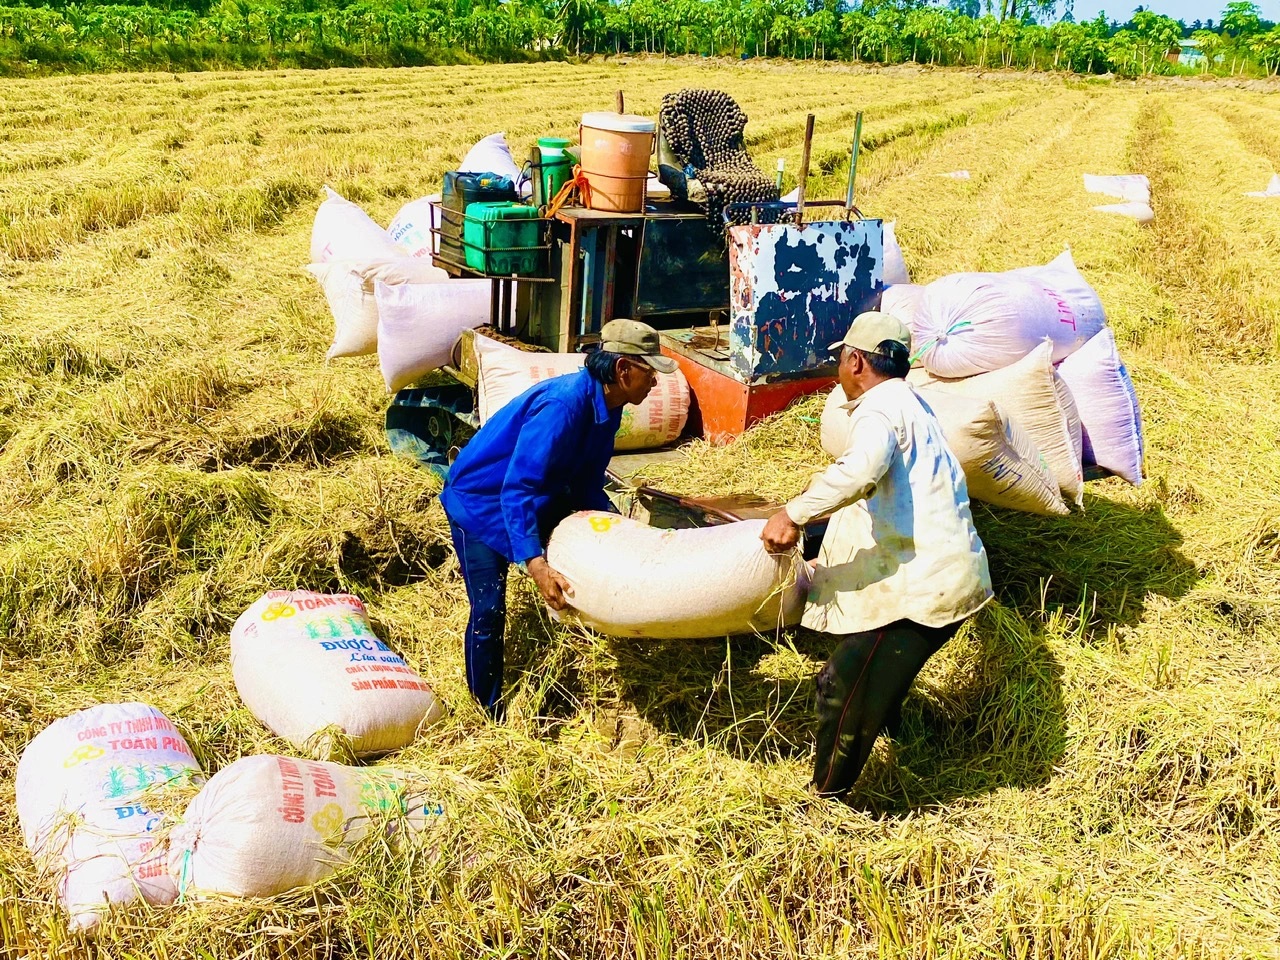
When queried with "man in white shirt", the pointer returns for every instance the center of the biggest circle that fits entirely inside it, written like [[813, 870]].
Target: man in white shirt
[[901, 566]]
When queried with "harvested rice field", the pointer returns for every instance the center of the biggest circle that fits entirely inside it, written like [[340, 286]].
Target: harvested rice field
[[1090, 769]]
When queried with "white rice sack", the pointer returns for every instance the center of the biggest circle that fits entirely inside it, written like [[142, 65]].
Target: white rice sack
[[267, 824], [418, 324], [1031, 395], [895, 266], [902, 300], [1134, 211], [1133, 187], [633, 580], [411, 228], [343, 231], [348, 286], [1273, 188], [504, 373], [1001, 465], [85, 786], [1062, 278], [833, 428], [492, 155], [972, 323], [1108, 405], [308, 665]]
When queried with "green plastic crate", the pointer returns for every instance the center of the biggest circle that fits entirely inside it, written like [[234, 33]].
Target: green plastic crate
[[502, 238]]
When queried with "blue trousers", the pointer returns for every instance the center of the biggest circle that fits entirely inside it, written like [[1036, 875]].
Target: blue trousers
[[484, 571]]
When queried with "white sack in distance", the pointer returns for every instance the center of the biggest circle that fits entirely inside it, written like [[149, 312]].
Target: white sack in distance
[[1001, 465], [971, 323], [267, 824], [1108, 405], [343, 231], [492, 155], [348, 287], [505, 372], [1273, 188], [418, 324], [1133, 187], [633, 580], [411, 228], [309, 665], [82, 789], [1031, 394]]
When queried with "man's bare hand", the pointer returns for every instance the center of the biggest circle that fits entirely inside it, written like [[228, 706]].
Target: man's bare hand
[[555, 589], [780, 534]]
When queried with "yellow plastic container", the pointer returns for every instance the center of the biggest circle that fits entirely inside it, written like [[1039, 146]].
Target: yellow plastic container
[[615, 159]]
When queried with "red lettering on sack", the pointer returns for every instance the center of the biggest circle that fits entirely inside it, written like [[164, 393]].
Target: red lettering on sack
[[151, 869], [321, 783], [292, 801], [135, 743]]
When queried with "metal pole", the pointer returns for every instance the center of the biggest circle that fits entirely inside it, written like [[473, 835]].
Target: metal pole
[[804, 167], [853, 163]]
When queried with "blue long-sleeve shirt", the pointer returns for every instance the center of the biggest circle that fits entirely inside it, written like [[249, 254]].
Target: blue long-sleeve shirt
[[539, 458]]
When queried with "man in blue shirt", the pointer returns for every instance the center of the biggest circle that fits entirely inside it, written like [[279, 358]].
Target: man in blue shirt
[[538, 459]]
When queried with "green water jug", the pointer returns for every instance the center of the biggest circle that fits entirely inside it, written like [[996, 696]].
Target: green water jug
[[502, 238], [557, 166]]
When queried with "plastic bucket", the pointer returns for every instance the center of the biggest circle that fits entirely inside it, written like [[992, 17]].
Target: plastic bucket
[[557, 168], [615, 159]]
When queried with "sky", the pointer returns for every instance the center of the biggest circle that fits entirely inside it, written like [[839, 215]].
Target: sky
[[1187, 10]]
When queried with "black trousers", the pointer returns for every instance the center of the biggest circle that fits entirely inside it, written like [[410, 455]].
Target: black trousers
[[860, 692]]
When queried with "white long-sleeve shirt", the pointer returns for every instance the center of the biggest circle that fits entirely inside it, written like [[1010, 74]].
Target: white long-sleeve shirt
[[901, 543]]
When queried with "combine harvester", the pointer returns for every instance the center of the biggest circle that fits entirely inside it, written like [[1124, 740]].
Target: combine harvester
[[746, 292]]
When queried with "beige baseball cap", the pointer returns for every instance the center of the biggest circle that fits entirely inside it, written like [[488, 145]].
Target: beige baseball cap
[[631, 338], [871, 329]]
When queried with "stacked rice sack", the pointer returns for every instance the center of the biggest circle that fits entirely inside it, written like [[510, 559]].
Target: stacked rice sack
[[97, 791], [1024, 375], [90, 788], [385, 294], [504, 372]]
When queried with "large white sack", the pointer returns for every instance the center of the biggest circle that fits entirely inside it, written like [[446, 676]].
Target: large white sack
[[505, 372], [633, 580], [1063, 279], [1134, 187], [1031, 394], [267, 824], [902, 300], [972, 323], [492, 155], [348, 287], [1001, 465], [1108, 405], [85, 786], [411, 228], [895, 265], [308, 665], [418, 324], [343, 231]]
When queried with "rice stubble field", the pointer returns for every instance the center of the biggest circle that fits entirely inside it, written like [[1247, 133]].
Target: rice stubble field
[[1089, 770]]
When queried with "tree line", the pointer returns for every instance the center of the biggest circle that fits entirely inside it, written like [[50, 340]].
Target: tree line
[[985, 33]]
